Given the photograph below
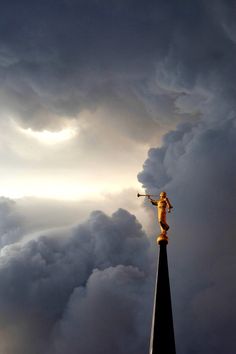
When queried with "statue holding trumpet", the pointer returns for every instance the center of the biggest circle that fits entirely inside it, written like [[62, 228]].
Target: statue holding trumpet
[[162, 204]]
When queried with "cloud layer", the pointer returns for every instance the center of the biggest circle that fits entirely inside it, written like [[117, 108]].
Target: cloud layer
[[84, 291]]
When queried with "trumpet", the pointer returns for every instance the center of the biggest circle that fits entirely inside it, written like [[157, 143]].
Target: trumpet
[[146, 195]]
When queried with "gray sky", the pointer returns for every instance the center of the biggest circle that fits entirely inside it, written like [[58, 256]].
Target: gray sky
[[100, 99]]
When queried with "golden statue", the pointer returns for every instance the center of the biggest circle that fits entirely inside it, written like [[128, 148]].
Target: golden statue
[[162, 204]]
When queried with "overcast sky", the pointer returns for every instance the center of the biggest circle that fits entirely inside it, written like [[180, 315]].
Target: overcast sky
[[100, 99]]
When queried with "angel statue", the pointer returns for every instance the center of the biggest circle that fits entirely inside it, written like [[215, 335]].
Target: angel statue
[[162, 204]]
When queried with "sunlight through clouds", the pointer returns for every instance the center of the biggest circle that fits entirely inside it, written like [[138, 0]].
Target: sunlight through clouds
[[49, 137]]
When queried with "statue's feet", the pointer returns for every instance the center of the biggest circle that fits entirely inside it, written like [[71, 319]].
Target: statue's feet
[[162, 238]]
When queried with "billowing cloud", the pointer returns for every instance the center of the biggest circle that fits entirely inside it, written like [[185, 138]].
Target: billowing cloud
[[195, 165], [69, 56], [92, 282]]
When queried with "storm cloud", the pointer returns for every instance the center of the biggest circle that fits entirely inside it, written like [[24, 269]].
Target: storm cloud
[[124, 74], [83, 291], [196, 165], [71, 56]]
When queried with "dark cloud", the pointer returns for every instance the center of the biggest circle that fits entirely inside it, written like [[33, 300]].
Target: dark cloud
[[61, 57], [112, 308], [59, 292], [195, 165], [66, 57]]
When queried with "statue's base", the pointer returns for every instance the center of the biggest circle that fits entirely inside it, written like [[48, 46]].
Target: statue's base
[[162, 238]]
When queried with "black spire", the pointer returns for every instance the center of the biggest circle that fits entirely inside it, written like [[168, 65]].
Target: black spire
[[162, 338]]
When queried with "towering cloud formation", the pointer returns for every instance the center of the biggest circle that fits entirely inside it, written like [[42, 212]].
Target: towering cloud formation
[[196, 166], [82, 292]]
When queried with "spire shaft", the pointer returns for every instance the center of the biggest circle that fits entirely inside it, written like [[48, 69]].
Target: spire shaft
[[162, 338]]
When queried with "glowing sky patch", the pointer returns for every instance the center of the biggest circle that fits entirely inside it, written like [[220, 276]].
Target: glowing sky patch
[[57, 165], [51, 138], [63, 188]]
